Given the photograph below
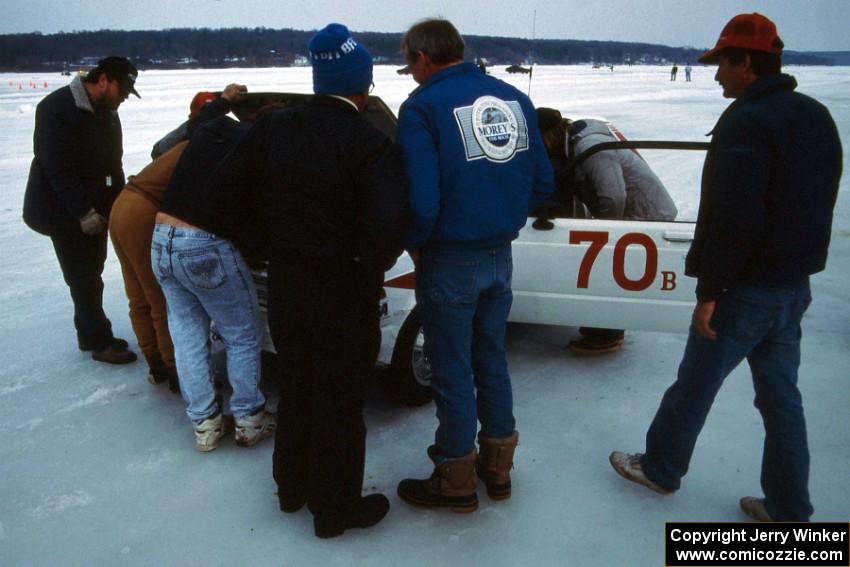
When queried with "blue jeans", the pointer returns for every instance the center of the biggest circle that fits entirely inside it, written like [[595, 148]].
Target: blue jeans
[[762, 324], [465, 297], [204, 278]]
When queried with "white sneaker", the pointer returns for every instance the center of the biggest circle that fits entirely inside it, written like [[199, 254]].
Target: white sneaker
[[628, 466], [209, 432], [252, 429]]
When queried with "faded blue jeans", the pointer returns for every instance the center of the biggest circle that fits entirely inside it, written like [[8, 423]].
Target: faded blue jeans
[[204, 278], [762, 324], [464, 297]]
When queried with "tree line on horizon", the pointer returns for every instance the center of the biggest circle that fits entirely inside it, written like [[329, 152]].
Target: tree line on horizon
[[263, 47]]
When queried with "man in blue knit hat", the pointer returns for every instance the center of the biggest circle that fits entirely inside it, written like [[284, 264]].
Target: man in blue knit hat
[[327, 193]]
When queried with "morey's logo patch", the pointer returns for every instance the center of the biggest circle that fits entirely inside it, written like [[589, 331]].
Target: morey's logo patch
[[492, 129]]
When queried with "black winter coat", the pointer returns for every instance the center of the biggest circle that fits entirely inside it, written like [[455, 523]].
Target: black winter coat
[[185, 196], [769, 185], [318, 181], [77, 163]]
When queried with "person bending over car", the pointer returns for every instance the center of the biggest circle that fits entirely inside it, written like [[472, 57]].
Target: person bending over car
[[200, 111], [131, 224], [206, 279], [328, 191], [613, 184]]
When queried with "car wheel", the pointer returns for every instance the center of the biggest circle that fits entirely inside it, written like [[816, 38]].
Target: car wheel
[[409, 378]]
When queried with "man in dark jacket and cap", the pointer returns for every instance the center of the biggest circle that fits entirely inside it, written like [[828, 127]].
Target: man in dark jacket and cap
[[769, 185], [75, 176], [324, 195]]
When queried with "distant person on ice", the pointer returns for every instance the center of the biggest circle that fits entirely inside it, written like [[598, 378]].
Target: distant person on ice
[[688, 69], [770, 182], [673, 72], [75, 177], [613, 184]]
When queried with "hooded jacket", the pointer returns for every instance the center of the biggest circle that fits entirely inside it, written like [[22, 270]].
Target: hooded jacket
[[77, 163], [621, 185], [769, 185]]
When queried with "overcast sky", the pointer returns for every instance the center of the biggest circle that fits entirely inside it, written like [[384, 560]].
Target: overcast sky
[[804, 25]]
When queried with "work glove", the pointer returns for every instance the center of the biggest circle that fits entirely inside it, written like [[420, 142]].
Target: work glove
[[93, 223]]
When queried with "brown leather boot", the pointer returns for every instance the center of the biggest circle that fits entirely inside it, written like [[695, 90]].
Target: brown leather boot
[[452, 485], [495, 462]]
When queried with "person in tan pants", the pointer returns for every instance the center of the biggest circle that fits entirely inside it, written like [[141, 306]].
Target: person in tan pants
[[131, 228]]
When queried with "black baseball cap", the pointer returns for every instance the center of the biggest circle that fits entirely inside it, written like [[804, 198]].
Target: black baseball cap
[[548, 118], [120, 69]]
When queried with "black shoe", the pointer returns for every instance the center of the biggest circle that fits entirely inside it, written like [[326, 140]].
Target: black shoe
[[157, 374], [174, 383], [161, 373], [367, 512], [86, 346], [291, 503], [597, 341], [114, 355]]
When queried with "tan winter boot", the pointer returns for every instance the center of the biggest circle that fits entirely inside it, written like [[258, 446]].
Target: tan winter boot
[[452, 485], [495, 461]]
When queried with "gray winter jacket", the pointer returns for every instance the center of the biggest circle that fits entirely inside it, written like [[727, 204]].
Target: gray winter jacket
[[616, 184]]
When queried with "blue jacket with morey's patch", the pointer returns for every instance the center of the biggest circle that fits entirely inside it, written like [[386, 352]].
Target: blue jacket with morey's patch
[[475, 169]]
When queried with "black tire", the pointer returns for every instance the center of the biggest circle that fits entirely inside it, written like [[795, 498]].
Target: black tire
[[408, 380]]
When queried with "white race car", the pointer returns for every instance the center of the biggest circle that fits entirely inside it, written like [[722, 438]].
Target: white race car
[[611, 274]]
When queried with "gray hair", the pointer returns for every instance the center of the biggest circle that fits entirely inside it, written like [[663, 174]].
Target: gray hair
[[436, 38]]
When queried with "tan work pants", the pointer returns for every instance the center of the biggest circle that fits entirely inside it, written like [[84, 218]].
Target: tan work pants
[[131, 225]]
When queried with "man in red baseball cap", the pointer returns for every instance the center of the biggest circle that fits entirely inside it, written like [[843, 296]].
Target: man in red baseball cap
[[769, 185], [747, 31], [751, 35]]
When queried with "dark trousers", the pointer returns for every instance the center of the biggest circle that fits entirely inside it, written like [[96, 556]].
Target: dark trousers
[[324, 320], [81, 258], [759, 323]]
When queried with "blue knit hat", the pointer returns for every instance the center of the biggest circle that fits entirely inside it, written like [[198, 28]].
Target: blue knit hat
[[340, 65]]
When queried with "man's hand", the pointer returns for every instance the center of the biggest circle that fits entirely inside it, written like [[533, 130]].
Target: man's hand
[[701, 319], [93, 223], [233, 92]]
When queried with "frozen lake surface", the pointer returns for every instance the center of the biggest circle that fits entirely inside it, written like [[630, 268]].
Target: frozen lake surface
[[98, 467]]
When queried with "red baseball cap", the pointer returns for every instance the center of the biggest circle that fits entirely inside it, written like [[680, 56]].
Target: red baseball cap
[[747, 31], [200, 100]]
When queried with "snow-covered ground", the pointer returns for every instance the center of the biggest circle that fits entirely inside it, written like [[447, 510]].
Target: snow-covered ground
[[97, 467]]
